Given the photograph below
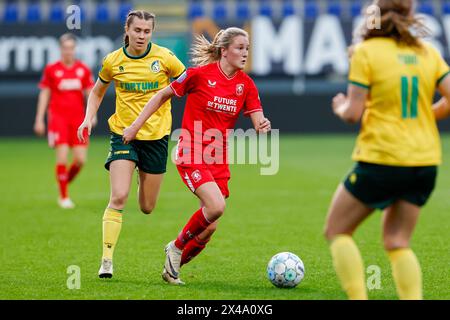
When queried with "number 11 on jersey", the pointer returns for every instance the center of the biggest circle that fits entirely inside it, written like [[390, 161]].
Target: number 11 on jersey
[[409, 101]]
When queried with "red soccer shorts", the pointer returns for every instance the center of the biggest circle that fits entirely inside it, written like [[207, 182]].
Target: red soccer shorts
[[195, 175], [62, 130]]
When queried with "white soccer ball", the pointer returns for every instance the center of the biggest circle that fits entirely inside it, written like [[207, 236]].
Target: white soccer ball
[[285, 270]]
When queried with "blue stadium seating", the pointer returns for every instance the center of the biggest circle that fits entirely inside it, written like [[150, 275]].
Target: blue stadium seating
[[196, 10], [288, 8], [446, 7], [33, 13], [242, 10], [426, 7], [311, 9], [11, 12], [265, 8], [356, 8], [334, 8], [124, 8], [219, 11], [102, 13], [56, 13]]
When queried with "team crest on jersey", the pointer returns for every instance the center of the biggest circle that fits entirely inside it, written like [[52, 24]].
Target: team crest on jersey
[[212, 84], [79, 72], [155, 66], [59, 73], [239, 89], [196, 176], [121, 69]]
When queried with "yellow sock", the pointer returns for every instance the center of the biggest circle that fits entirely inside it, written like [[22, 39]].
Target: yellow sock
[[349, 266], [407, 274], [112, 223]]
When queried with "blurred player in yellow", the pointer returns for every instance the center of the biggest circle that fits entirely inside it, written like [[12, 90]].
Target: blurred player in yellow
[[139, 70], [392, 82]]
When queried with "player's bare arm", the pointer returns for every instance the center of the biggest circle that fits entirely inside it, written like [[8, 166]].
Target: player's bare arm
[[260, 123], [95, 98], [39, 123], [350, 108], [152, 105]]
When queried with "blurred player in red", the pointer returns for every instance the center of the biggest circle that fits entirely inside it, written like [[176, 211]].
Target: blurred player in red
[[64, 86], [217, 91]]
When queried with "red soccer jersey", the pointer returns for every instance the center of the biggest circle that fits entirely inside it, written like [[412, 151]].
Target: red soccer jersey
[[66, 85], [213, 104]]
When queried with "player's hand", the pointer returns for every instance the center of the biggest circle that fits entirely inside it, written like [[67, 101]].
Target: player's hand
[[86, 125], [39, 128], [129, 134], [338, 101], [264, 125]]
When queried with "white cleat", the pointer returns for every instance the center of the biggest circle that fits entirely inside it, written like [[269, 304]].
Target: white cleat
[[172, 264], [106, 269], [169, 279], [66, 203]]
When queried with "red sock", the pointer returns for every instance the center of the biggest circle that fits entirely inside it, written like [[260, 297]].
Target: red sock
[[196, 224], [192, 249], [73, 171], [61, 177]]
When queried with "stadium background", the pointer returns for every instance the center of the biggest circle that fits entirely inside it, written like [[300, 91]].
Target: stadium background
[[298, 54], [298, 60]]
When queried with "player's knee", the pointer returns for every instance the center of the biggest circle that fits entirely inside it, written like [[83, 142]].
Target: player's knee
[[392, 243], [119, 200], [79, 161], [215, 209], [328, 233], [147, 208]]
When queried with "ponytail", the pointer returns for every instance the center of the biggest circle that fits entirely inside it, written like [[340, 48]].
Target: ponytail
[[204, 52]]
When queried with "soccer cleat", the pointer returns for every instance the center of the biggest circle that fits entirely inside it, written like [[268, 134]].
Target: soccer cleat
[[172, 263], [66, 203], [106, 269], [169, 279]]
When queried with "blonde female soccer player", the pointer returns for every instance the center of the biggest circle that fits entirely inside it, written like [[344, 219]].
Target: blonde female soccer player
[[393, 78], [139, 70], [217, 91]]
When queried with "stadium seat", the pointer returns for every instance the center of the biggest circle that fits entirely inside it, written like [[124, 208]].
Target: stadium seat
[[288, 8], [356, 8], [33, 13], [311, 9], [56, 13], [334, 8], [265, 8], [124, 8], [219, 11], [11, 12], [426, 7], [446, 7], [195, 10], [102, 11], [242, 11]]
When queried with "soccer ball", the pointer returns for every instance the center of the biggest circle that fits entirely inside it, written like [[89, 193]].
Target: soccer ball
[[285, 270]]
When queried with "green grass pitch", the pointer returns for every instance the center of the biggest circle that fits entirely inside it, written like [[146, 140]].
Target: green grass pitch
[[265, 215]]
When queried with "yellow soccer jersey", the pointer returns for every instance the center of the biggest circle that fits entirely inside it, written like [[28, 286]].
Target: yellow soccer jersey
[[398, 126], [136, 80]]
